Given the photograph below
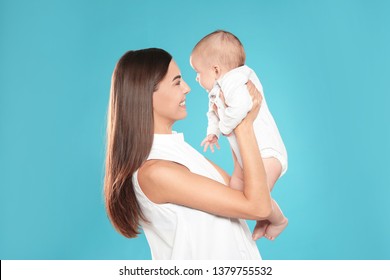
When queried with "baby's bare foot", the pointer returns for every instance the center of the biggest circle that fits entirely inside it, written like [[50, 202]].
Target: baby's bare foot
[[259, 230], [273, 231]]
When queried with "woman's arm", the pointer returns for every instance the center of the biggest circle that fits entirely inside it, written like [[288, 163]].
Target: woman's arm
[[169, 182], [223, 173], [253, 168], [272, 167], [237, 178]]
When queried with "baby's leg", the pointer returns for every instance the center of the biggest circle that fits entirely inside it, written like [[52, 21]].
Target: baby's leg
[[272, 227], [277, 223], [273, 169]]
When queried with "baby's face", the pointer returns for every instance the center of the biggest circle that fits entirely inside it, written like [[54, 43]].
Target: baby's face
[[205, 75]]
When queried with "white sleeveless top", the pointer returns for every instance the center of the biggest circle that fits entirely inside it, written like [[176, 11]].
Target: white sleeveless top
[[179, 232]]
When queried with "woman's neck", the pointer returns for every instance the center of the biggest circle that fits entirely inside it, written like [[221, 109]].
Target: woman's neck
[[163, 128]]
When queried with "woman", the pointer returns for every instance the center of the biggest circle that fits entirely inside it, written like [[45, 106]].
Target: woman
[[156, 180]]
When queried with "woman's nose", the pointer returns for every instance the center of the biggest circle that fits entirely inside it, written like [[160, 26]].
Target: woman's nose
[[186, 88]]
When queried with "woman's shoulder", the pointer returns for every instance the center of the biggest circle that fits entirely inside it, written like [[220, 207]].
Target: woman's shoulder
[[155, 175]]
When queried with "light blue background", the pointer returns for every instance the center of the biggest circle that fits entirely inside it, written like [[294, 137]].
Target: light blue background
[[325, 68]]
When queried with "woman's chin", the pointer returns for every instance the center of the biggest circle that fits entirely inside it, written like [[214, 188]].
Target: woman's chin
[[182, 116]]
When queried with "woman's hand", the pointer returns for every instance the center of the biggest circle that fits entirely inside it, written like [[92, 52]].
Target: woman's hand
[[256, 100]]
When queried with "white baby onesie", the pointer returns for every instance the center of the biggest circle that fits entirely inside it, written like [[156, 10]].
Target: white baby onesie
[[237, 104]]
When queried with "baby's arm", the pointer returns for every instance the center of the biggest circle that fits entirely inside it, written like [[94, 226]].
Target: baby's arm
[[212, 123], [237, 100], [212, 131]]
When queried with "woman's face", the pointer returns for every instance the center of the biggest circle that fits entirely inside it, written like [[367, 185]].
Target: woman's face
[[169, 99]]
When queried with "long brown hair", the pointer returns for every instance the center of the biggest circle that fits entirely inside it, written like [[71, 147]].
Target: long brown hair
[[130, 132]]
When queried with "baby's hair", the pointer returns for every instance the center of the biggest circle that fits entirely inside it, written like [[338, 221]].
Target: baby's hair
[[222, 47]]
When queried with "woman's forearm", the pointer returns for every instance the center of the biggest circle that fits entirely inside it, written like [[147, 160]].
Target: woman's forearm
[[255, 180]]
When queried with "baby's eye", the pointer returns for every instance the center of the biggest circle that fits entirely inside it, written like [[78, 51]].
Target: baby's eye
[[178, 83]]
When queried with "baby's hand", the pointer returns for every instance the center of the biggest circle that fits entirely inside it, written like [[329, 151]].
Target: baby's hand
[[210, 140], [272, 231]]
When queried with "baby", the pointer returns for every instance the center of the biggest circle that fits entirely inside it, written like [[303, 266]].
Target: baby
[[219, 61]]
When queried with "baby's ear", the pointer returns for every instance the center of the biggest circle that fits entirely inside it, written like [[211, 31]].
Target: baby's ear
[[217, 71]]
